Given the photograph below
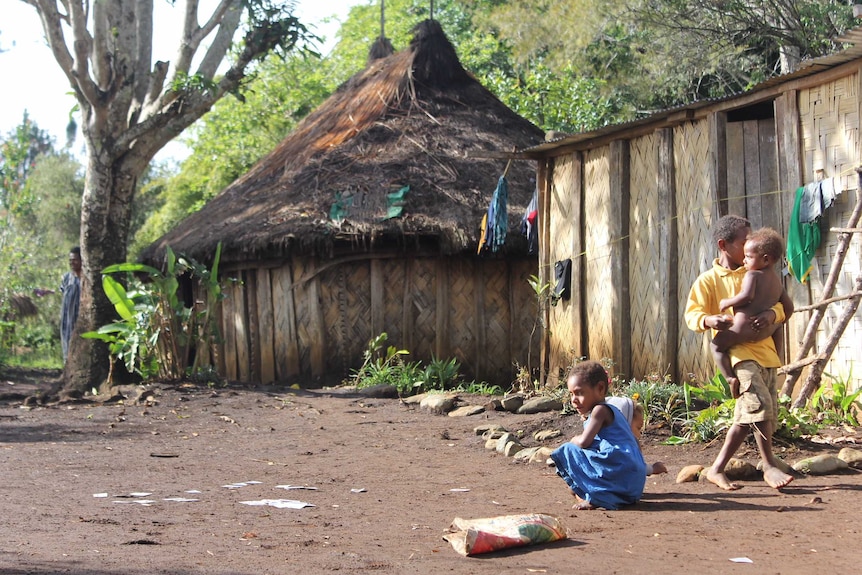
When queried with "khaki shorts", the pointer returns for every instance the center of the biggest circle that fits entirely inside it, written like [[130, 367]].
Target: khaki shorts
[[758, 395]]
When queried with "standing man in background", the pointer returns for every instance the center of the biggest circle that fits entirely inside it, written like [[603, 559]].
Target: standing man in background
[[70, 287]]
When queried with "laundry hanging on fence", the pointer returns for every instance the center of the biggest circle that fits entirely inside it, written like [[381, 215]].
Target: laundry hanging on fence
[[495, 223], [803, 236], [528, 224]]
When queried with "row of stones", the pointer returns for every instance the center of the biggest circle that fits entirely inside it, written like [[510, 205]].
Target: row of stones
[[818, 465], [441, 403]]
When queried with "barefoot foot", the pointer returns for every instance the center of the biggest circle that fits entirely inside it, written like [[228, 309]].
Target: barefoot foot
[[722, 481], [582, 504], [776, 478]]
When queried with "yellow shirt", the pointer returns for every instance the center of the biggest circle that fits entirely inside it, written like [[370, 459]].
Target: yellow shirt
[[710, 288]]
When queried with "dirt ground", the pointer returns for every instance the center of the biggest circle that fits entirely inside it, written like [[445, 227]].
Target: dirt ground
[[389, 480]]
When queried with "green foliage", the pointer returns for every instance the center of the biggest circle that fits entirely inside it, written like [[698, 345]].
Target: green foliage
[[157, 332], [386, 365], [441, 373], [834, 405], [708, 412], [663, 401], [794, 422], [479, 388]]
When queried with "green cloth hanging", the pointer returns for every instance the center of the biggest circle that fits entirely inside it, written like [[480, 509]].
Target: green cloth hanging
[[803, 239]]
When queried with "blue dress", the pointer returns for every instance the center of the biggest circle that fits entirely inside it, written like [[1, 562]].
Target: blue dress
[[610, 472]]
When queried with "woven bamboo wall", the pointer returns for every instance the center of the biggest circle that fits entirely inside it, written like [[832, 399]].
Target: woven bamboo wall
[[647, 271], [564, 339], [598, 247], [829, 116], [310, 319], [696, 214]]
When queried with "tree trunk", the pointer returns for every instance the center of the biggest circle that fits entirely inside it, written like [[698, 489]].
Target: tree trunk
[[106, 214]]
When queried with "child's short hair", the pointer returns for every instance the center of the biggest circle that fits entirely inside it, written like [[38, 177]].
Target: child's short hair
[[768, 242], [592, 371], [728, 227]]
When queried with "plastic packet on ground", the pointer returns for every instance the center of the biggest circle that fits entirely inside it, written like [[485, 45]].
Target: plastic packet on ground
[[477, 536]]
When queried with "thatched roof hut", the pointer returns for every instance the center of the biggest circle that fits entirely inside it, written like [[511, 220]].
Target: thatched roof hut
[[414, 118], [323, 221]]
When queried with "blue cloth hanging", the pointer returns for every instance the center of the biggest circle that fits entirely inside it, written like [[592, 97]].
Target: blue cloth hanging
[[498, 218]]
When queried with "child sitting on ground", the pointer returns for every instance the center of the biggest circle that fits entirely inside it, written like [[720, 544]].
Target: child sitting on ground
[[634, 414], [603, 465], [761, 289]]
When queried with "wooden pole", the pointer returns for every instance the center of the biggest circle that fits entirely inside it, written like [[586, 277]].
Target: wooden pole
[[812, 382]]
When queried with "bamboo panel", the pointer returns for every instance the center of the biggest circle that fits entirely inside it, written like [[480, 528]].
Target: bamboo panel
[[345, 303], [356, 311], [599, 244], [524, 314], [564, 339], [394, 274], [241, 327], [648, 281], [495, 316], [307, 309], [229, 347], [462, 313], [265, 318], [423, 312], [333, 307], [829, 116], [285, 338], [694, 225]]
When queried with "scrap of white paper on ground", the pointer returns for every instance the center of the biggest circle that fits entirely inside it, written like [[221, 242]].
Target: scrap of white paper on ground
[[280, 503], [144, 502], [239, 484], [181, 499], [296, 487], [358, 490], [741, 560]]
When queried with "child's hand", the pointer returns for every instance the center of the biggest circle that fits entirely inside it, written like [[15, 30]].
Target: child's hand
[[723, 304], [719, 322], [734, 387], [658, 467]]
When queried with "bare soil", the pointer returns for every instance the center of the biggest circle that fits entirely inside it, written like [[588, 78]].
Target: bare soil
[[389, 480]]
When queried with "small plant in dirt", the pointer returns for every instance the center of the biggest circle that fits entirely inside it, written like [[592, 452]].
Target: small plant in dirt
[[386, 365], [479, 388], [157, 333], [524, 382], [835, 404], [663, 400], [707, 412], [794, 422], [441, 373]]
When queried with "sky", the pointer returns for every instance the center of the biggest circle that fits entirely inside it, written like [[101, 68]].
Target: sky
[[32, 79]]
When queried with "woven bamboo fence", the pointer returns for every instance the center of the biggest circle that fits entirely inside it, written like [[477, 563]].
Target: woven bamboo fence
[[829, 117], [312, 318], [682, 175], [696, 213], [598, 248], [647, 276], [565, 200]]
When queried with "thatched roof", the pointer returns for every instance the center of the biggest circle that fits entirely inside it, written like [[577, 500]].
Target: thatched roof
[[414, 118]]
